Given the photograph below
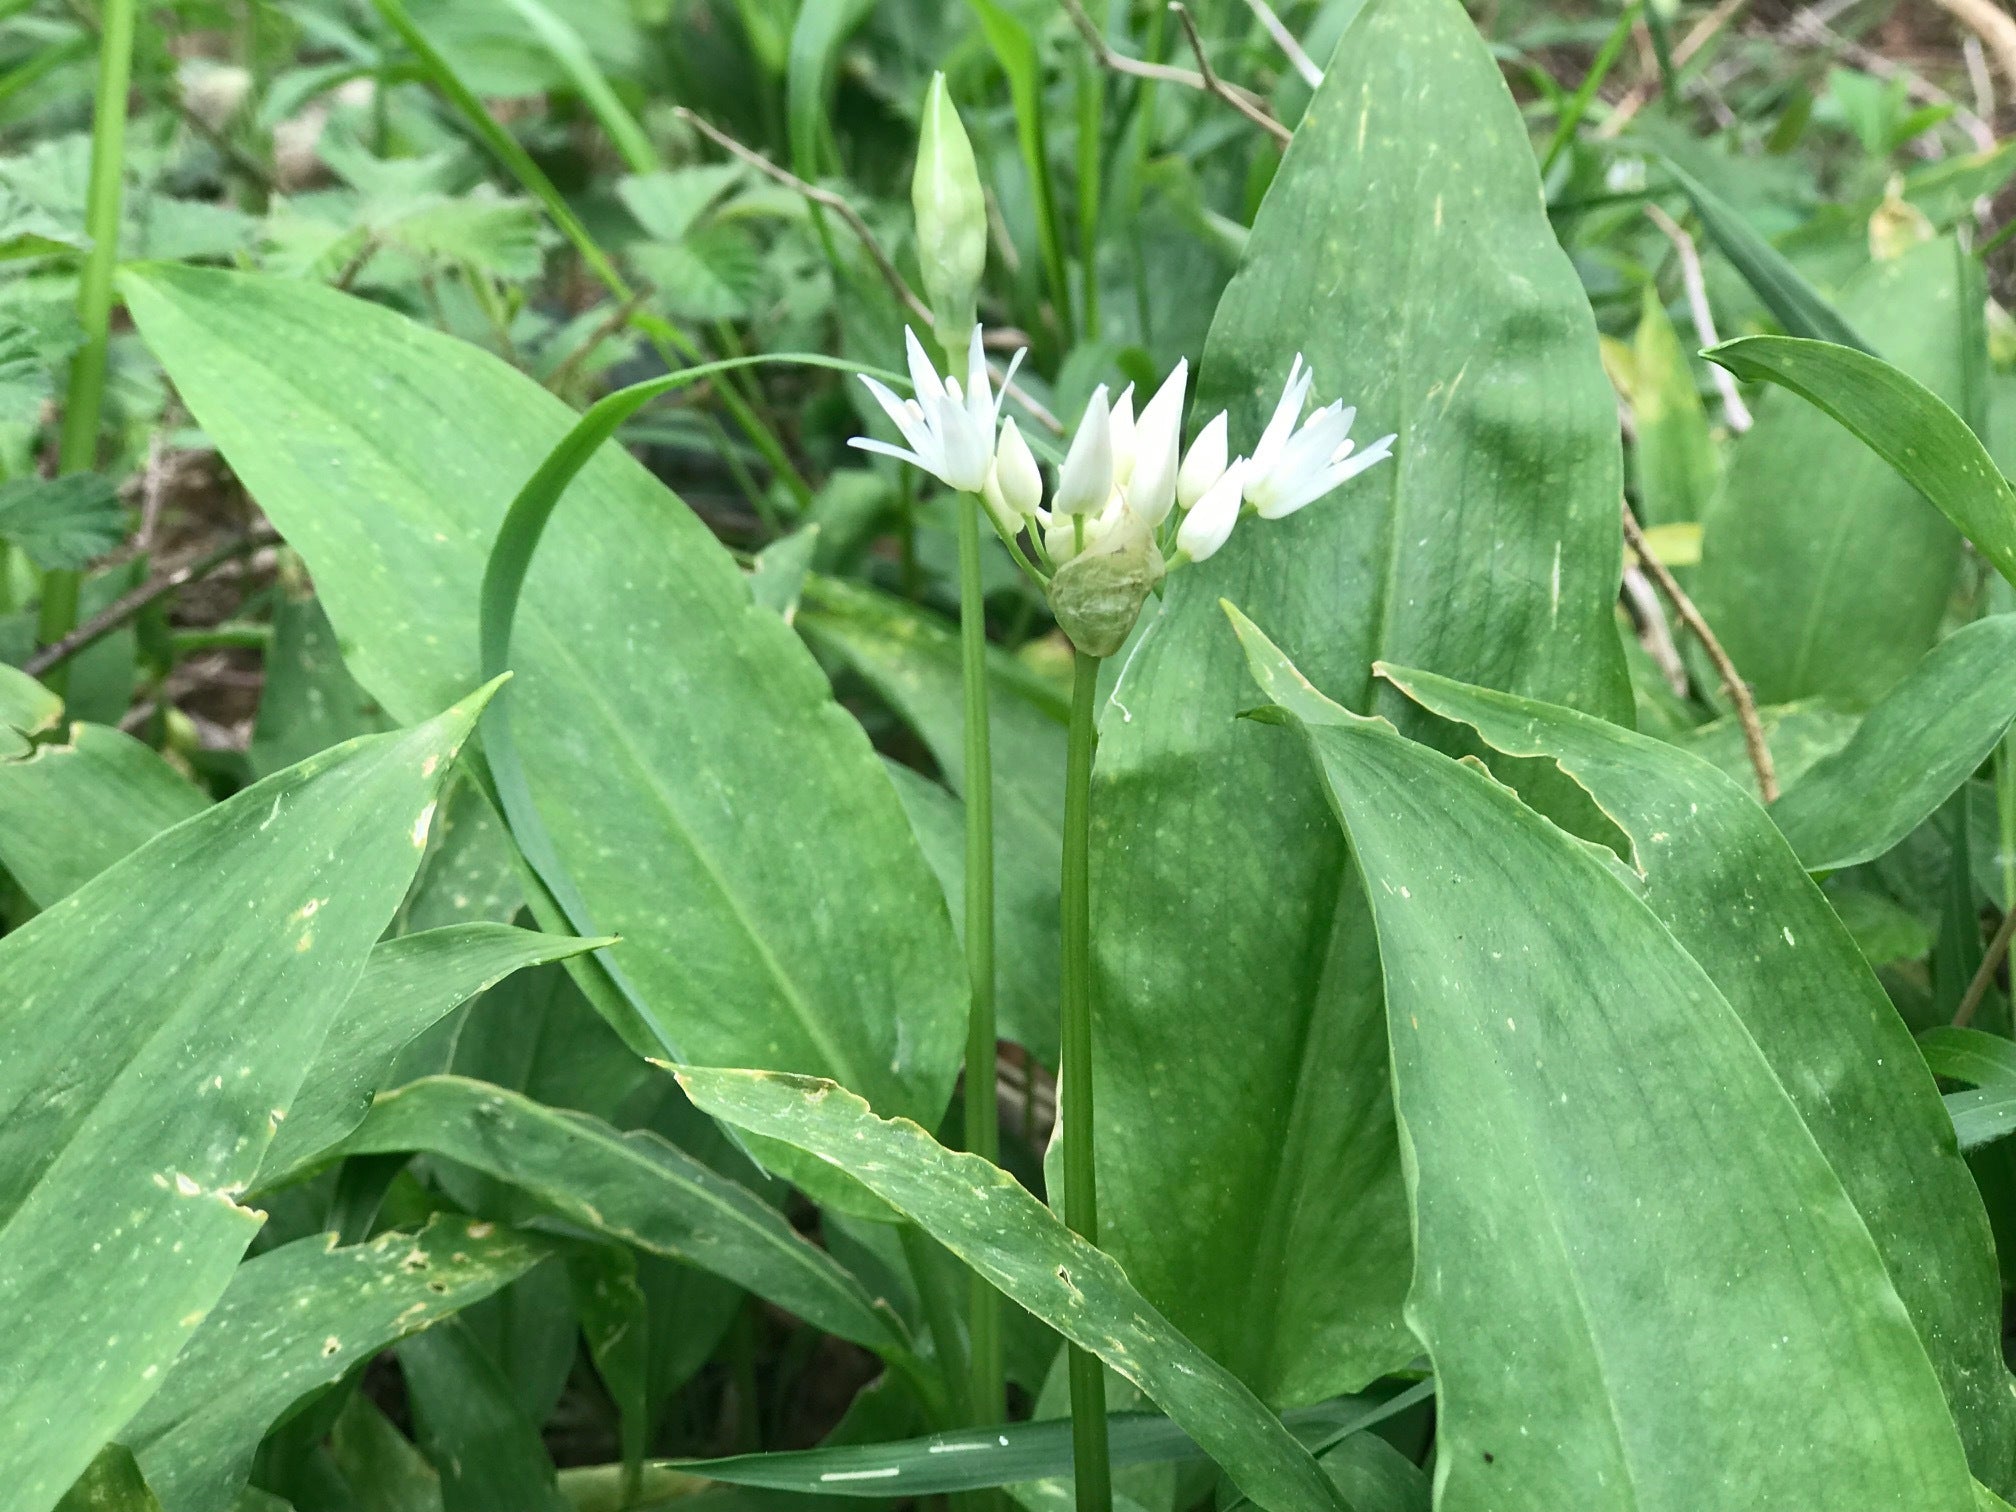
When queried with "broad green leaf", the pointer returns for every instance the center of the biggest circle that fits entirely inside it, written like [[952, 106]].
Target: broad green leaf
[[159, 1021], [488, 1452], [384, 1471], [309, 701], [990, 1221], [408, 983], [26, 707], [1732, 893], [1822, 571], [295, 1319], [1925, 738], [1577, 1215], [1675, 463], [1899, 419], [1250, 1177], [1800, 736], [1800, 308], [1970, 1055], [911, 660], [1376, 1477], [634, 1187], [62, 523], [1982, 1115], [71, 810], [113, 1483], [739, 835], [1013, 1453]]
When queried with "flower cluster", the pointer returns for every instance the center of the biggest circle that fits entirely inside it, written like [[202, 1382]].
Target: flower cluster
[[1130, 502]]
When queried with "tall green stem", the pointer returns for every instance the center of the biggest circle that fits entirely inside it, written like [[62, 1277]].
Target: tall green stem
[[983, 1133], [77, 448], [1081, 1193]]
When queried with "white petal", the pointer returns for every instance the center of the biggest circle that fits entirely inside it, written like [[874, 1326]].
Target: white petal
[[1204, 463], [1123, 436], [979, 395], [1152, 489], [1087, 475], [1281, 425], [923, 376], [883, 448], [1007, 379], [1338, 473], [908, 419], [968, 451], [1211, 519]]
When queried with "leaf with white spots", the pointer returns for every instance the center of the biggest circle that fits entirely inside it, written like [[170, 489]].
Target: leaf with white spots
[[990, 1221], [295, 1319], [1404, 249], [634, 1187], [155, 1019], [715, 806], [409, 983], [1636, 1273], [1730, 890]]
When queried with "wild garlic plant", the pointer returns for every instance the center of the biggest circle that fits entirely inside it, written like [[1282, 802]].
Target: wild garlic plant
[[1130, 504]]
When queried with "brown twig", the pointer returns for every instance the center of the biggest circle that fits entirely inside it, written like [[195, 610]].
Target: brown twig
[[905, 295], [826, 197], [1732, 680], [1642, 94], [1984, 975], [1286, 40], [1206, 79], [123, 608], [1733, 408], [1995, 27]]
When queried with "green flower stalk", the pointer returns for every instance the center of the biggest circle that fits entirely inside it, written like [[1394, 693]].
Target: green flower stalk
[[1130, 505]]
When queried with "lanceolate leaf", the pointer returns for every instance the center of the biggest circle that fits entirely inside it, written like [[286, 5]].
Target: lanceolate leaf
[[1597, 1146], [1733, 895], [158, 1023], [722, 765], [1899, 419], [70, 810], [635, 1187], [989, 1220], [26, 707], [1800, 307], [1250, 1179], [1910, 752], [408, 983], [1822, 571], [297, 1318]]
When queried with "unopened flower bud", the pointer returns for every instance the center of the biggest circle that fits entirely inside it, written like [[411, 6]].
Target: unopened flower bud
[[1123, 436], [1087, 475], [1021, 482], [951, 215], [1203, 464], [1211, 519], [1157, 434]]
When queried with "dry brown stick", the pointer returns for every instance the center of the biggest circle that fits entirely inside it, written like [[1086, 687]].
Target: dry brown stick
[[1286, 40], [1241, 100], [1732, 680], [826, 197], [1995, 27], [1733, 408], [1985, 973], [1696, 39], [884, 264], [127, 605]]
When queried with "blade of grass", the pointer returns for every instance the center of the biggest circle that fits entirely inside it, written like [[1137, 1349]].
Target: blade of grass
[[571, 53], [1015, 50], [1578, 103], [83, 405]]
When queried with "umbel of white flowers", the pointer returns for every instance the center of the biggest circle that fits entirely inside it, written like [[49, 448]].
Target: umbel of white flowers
[[1129, 504]]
